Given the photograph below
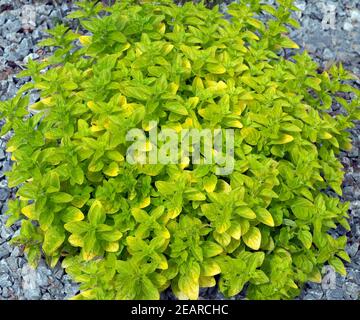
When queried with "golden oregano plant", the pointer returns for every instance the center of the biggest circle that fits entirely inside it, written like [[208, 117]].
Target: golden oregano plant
[[130, 231]]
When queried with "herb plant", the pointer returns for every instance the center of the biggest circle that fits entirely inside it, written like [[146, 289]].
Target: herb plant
[[130, 231]]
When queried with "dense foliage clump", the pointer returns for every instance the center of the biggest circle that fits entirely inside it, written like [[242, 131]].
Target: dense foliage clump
[[129, 231]]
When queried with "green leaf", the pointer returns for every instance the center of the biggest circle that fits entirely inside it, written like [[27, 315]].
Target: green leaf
[[53, 239], [72, 214], [302, 208], [251, 135], [252, 238], [306, 238], [313, 83], [78, 175], [189, 282], [141, 93], [77, 227], [209, 268], [210, 183], [259, 277], [245, 212], [290, 127], [234, 230], [177, 108], [96, 213], [45, 219], [54, 183], [288, 43], [265, 217], [211, 249], [61, 197], [222, 238], [166, 188], [91, 246], [283, 139], [110, 236], [343, 255], [216, 68], [148, 290], [338, 265], [30, 212]]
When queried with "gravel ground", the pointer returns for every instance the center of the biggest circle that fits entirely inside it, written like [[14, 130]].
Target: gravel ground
[[22, 25], [330, 32]]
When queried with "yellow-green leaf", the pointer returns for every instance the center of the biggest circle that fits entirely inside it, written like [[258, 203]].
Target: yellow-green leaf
[[245, 212], [209, 268], [265, 217], [216, 68], [252, 238]]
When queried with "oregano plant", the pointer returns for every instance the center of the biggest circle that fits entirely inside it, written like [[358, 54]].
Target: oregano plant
[[132, 230]]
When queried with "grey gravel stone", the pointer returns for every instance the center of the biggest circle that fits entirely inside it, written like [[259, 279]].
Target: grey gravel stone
[[352, 290], [15, 252], [28, 17], [310, 296], [29, 285], [24, 48], [56, 289], [65, 7], [41, 279], [3, 252], [3, 62], [3, 267], [58, 272], [44, 270], [13, 25], [11, 53], [21, 262], [4, 193], [34, 97], [70, 288], [328, 54], [354, 153], [336, 294], [348, 26], [355, 15], [2, 20], [11, 91], [352, 249], [6, 165], [5, 232], [12, 263], [46, 296], [5, 281], [32, 56], [5, 292]]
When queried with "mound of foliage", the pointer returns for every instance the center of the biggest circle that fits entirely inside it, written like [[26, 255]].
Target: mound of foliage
[[130, 231]]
